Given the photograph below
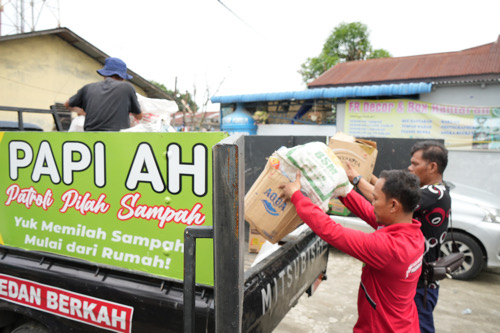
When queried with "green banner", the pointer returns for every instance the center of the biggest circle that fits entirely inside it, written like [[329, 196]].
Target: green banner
[[462, 127], [118, 199]]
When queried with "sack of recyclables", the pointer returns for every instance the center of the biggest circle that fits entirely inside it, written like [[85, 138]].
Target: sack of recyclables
[[155, 117], [322, 174], [156, 114]]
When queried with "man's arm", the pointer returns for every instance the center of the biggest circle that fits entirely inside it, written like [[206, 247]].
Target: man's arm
[[367, 247], [79, 111], [137, 116], [364, 185], [135, 108], [360, 207], [371, 248], [353, 201]]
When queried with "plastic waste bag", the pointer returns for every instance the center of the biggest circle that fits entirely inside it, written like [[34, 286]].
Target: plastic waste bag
[[156, 114]]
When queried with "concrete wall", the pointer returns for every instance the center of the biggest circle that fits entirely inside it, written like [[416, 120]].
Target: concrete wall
[[40, 71], [472, 95], [475, 168], [297, 130]]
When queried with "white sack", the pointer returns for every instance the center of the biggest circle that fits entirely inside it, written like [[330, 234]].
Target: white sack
[[77, 124], [322, 174], [155, 115]]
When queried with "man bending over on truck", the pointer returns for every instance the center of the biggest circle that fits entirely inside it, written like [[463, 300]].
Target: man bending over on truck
[[107, 104], [392, 254], [428, 161]]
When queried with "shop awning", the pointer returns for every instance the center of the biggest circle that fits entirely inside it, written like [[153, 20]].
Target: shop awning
[[402, 89]]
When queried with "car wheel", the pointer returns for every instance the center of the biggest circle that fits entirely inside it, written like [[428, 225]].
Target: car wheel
[[473, 255]]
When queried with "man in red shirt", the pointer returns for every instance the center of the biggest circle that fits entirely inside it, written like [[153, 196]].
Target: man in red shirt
[[392, 254], [428, 161]]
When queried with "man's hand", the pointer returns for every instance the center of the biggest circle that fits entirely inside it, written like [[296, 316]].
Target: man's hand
[[350, 171], [79, 111], [290, 188]]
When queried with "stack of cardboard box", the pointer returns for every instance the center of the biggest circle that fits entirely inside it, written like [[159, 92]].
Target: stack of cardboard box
[[361, 154], [271, 218]]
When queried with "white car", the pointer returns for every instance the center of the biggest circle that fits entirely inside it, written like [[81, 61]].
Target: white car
[[476, 229]]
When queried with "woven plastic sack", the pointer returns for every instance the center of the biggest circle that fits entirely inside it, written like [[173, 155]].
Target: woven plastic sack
[[155, 115], [322, 174]]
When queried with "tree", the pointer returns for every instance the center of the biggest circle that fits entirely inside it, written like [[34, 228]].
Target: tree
[[184, 101], [379, 53], [347, 42]]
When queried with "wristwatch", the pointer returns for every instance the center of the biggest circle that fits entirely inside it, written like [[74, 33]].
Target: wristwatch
[[356, 180]]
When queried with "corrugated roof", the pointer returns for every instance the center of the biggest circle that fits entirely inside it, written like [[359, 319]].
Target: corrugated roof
[[403, 89], [476, 62]]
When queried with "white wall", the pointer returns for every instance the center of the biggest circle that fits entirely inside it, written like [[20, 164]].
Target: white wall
[[284, 129], [472, 95]]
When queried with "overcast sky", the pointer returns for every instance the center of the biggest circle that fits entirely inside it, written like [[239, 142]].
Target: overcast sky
[[258, 46]]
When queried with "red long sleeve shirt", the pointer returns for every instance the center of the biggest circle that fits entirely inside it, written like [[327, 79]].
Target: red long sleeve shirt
[[392, 257]]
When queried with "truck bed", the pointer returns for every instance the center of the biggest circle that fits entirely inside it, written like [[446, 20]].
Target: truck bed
[[271, 288]]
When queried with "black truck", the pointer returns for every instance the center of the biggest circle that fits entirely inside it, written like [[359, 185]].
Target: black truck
[[44, 288]]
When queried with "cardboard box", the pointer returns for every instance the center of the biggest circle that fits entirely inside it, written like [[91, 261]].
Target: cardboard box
[[270, 215], [362, 154], [336, 207], [255, 241]]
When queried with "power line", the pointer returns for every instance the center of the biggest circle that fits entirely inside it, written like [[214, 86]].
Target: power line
[[238, 17]]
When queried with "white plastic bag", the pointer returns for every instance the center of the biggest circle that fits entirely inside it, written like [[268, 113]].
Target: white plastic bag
[[322, 174], [77, 124], [155, 115]]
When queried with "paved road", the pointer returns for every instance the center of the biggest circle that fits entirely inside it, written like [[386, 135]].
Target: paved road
[[463, 307]]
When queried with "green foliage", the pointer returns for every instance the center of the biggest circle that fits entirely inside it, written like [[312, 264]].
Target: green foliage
[[379, 53], [178, 98], [314, 67], [347, 42]]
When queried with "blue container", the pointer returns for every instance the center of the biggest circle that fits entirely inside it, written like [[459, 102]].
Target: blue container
[[240, 121]]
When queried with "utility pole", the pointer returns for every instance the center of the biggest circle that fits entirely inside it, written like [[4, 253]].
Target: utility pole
[[20, 16]]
